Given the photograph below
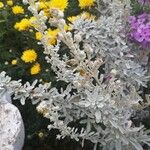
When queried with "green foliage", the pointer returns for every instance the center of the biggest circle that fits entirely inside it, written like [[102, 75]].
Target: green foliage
[[138, 9]]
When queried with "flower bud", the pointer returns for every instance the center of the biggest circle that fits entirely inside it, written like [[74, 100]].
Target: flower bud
[[54, 12], [78, 38], [77, 84], [61, 24], [53, 21], [60, 36], [113, 71], [88, 49], [82, 55], [25, 2], [40, 134], [69, 35], [60, 14]]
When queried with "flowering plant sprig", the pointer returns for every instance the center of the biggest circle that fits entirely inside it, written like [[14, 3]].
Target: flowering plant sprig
[[102, 75]]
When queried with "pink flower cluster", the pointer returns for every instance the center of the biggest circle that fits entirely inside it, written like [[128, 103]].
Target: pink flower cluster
[[140, 29]]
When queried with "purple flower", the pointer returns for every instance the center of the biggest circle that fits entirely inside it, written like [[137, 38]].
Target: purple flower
[[144, 2], [140, 29], [143, 16], [132, 19]]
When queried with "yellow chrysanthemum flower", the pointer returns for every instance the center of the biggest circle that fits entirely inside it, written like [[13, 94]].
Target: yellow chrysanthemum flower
[[32, 21], [87, 15], [84, 15], [52, 36], [86, 3], [62, 5], [35, 69], [24, 24], [17, 10], [67, 28], [1, 5], [46, 12], [29, 55], [14, 62], [72, 18], [9, 2], [42, 5], [38, 35]]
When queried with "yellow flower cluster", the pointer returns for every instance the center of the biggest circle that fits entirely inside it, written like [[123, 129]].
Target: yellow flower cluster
[[35, 69], [42, 5], [84, 15], [29, 56], [46, 5], [17, 10], [1, 5], [49, 4], [23, 25], [14, 62], [32, 21], [62, 5], [38, 35], [51, 36], [9, 2], [86, 3]]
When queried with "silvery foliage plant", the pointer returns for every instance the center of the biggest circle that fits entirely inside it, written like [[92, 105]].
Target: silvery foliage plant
[[103, 76]]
